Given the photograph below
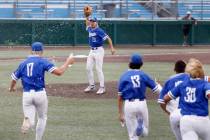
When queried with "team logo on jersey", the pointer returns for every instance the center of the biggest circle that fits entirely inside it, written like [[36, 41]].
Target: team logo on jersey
[[92, 34]]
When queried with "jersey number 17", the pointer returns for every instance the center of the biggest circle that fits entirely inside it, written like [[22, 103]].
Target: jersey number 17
[[30, 69]]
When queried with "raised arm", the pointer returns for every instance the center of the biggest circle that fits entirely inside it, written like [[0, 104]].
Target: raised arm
[[86, 21]]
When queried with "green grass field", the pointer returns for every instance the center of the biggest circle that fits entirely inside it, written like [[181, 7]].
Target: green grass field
[[79, 119]]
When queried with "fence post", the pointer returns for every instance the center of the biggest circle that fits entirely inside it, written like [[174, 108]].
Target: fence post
[[192, 35], [115, 33], [154, 34], [75, 33]]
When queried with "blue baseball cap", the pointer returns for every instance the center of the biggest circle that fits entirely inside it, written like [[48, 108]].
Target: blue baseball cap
[[136, 59], [37, 46], [94, 19]]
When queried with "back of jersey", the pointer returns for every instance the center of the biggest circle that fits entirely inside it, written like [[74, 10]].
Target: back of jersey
[[32, 72], [172, 82], [193, 100], [133, 83]]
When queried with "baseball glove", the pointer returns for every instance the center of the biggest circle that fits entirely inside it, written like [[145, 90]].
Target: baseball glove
[[87, 11]]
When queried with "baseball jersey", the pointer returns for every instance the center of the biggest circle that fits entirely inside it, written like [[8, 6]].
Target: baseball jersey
[[32, 73], [133, 83], [97, 36], [193, 97], [172, 82]]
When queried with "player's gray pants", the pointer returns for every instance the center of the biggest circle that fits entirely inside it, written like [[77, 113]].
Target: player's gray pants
[[174, 118], [95, 57], [133, 111], [36, 102], [195, 127]]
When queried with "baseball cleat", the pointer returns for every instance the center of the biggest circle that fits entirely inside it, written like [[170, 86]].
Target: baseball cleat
[[26, 125], [89, 88], [139, 129], [101, 90]]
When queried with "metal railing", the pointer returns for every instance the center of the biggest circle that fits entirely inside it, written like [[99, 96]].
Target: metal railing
[[104, 9]]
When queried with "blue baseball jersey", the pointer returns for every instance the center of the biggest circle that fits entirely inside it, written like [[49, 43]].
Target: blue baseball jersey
[[133, 84], [172, 82], [32, 73], [193, 97], [97, 36]]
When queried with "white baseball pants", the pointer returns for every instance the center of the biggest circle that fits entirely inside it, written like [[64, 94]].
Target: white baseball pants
[[95, 57], [172, 105], [133, 111], [174, 118], [195, 127], [36, 102]]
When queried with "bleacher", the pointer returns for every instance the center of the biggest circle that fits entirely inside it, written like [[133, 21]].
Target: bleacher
[[71, 9], [199, 9], [118, 9]]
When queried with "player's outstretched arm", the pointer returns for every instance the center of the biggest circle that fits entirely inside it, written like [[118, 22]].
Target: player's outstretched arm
[[12, 86], [111, 45], [60, 70]]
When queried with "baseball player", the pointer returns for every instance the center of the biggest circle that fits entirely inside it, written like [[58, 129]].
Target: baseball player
[[32, 74], [131, 91], [172, 107], [194, 94], [97, 36]]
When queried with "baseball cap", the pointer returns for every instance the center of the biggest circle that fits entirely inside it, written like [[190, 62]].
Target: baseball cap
[[136, 58], [94, 19], [188, 12], [37, 46]]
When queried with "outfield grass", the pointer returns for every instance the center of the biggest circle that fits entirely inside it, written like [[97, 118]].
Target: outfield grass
[[80, 119], [76, 119]]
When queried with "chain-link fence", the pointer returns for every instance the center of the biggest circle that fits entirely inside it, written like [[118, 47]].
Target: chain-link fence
[[104, 9]]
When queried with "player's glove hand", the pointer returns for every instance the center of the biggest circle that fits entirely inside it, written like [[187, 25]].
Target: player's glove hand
[[87, 11]]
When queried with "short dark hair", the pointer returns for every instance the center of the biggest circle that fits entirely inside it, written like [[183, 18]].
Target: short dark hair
[[135, 66], [179, 66]]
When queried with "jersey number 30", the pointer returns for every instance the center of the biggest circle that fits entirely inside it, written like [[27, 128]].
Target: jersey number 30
[[135, 81], [190, 95], [30, 69]]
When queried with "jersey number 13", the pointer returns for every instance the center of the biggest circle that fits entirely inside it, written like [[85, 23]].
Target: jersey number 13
[[135, 81]]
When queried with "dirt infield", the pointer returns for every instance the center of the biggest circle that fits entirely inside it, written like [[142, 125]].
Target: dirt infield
[[76, 90]]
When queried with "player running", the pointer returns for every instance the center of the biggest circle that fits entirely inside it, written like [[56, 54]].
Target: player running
[[97, 36], [32, 74], [132, 88], [194, 94], [172, 107]]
